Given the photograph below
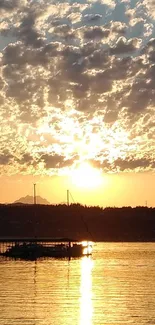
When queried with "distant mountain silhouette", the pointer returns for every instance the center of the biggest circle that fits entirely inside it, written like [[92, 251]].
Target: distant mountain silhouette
[[30, 200]]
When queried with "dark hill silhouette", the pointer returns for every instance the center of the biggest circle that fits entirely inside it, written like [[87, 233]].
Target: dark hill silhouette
[[30, 200]]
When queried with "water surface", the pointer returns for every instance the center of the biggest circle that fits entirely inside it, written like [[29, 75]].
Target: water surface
[[114, 286]]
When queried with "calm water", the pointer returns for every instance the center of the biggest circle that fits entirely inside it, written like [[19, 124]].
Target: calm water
[[115, 286]]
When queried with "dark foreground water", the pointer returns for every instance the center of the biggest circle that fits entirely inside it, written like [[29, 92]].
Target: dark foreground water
[[115, 286]]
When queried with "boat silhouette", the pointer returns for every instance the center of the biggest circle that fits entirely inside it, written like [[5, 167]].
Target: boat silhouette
[[34, 250]]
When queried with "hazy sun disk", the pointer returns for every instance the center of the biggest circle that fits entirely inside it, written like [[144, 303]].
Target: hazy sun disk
[[86, 176]]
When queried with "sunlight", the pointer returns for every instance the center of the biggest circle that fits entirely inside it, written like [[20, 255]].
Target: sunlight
[[86, 307], [87, 247], [86, 176]]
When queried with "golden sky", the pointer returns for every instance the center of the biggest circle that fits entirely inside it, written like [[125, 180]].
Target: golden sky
[[77, 92]]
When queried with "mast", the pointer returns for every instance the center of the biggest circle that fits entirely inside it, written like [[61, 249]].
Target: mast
[[34, 193], [67, 197]]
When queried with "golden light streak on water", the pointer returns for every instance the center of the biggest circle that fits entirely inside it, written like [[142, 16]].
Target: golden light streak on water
[[86, 307]]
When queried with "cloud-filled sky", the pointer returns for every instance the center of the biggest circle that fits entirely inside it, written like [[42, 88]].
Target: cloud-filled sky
[[77, 84]]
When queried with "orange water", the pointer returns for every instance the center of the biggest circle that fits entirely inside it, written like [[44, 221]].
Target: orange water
[[114, 286]]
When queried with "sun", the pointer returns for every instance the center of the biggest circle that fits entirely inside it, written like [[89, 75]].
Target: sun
[[86, 176]]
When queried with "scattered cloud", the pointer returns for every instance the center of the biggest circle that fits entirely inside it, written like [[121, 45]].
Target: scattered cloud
[[76, 83]]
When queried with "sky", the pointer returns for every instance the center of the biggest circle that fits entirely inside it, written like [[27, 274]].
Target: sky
[[77, 100]]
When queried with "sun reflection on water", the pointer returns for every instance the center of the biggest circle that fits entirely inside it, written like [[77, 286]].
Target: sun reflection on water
[[86, 307]]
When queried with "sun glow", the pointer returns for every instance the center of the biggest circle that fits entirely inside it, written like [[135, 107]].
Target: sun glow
[[86, 176], [87, 247]]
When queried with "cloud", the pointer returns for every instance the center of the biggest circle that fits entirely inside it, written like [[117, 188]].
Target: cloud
[[123, 46], [28, 33], [9, 5], [96, 33], [26, 159], [132, 163], [76, 82], [5, 158], [92, 17], [150, 7], [119, 27], [56, 161]]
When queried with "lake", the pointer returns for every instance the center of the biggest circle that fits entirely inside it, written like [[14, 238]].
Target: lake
[[116, 285]]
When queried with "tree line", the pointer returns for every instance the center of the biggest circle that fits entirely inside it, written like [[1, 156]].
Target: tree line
[[78, 221]]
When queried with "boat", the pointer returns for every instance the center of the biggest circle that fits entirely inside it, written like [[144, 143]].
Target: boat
[[34, 250]]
